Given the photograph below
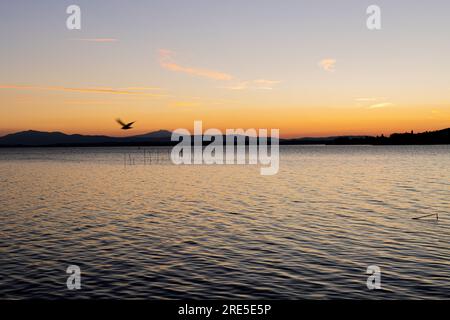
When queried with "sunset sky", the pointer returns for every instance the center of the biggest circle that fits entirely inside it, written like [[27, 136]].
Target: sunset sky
[[309, 68]]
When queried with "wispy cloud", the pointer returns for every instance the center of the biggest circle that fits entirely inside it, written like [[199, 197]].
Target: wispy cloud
[[94, 90], [265, 84], [374, 102], [96, 39], [328, 64], [166, 60], [381, 105], [143, 88], [259, 84], [91, 102], [241, 85]]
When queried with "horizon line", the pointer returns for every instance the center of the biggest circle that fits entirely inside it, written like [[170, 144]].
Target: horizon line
[[292, 137]]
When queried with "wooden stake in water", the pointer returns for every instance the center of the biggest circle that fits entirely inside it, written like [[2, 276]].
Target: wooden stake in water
[[428, 215]]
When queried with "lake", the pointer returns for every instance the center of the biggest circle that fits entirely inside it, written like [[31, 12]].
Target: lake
[[140, 227]]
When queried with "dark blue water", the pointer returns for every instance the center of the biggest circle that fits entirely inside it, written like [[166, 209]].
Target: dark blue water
[[157, 231]]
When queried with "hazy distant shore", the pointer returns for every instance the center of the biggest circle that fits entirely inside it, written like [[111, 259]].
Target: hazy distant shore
[[163, 138]]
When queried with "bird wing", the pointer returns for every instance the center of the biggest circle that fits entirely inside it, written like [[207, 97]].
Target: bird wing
[[129, 124], [120, 122]]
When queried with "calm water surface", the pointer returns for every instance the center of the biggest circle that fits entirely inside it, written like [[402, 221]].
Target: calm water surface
[[155, 230]]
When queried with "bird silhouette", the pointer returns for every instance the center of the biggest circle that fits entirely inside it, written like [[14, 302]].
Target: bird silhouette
[[125, 126]]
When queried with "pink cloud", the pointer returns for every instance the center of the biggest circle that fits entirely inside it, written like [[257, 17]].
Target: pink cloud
[[167, 62]]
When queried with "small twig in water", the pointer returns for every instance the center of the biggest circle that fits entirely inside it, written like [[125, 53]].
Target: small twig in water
[[428, 215]]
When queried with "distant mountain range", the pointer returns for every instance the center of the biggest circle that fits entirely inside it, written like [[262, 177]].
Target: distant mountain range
[[33, 138], [39, 138]]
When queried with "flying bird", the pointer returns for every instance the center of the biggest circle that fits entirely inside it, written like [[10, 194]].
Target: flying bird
[[125, 126]]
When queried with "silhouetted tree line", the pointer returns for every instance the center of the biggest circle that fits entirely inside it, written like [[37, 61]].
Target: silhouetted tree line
[[428, 137]]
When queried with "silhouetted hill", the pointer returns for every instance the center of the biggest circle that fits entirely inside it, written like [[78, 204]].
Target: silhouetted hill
[[318, 140], [428, 137], [32, 137], [424, 138], [39, 138], [163, 138], [160, 134]]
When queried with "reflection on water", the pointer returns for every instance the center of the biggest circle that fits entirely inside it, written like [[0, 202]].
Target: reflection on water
[[155, 230]]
